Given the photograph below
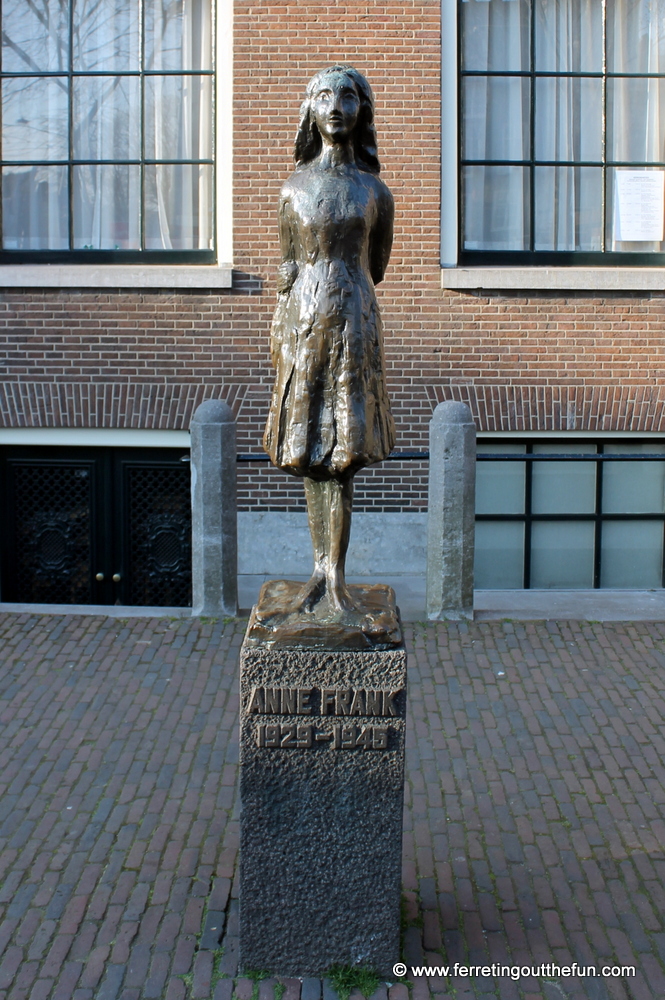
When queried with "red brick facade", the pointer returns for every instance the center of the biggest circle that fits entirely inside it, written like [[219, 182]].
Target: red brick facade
[[524, 361]]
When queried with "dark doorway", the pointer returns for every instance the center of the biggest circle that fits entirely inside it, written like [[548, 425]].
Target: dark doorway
[[96, 526]]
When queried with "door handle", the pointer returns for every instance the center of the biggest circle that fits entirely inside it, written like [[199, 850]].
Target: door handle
[[116, 578], [99, 577]]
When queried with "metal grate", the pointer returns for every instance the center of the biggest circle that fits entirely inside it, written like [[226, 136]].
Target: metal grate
[[160, 527], [53, 534]]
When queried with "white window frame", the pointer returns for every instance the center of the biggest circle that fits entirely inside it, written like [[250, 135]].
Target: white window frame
[[93, 437], [217, 275], [453, 277]]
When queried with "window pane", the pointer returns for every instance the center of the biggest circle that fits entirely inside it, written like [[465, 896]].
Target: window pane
[[106, 35], [34, 208], [563, 487], [35, 39], [495, 118], [569, 208], [634, 487], [636, 120], [632, 215], [495, 34], [178, 117], [562, 554], [569, 36], [500, 485], [107, 121], [496, 207], [106, 207], [34, 118], [178, 207], [632, 554], [178, 34], [569, 117], [635, 36], [499, 555]]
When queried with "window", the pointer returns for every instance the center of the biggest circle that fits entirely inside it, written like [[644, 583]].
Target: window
[[107, 130], [562, 131], [545, 522]]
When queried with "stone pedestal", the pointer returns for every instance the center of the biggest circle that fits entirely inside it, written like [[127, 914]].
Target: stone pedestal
[[321, 785]]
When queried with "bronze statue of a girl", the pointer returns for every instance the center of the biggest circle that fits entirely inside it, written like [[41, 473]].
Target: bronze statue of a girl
[[329, 415]]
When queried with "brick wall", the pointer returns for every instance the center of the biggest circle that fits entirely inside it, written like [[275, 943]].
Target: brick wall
[[523, 360]]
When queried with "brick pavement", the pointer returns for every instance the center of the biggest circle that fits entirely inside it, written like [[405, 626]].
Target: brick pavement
[[534, 821]]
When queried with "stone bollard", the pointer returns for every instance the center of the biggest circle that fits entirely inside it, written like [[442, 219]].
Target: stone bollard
[[451, 513], [214, 510]]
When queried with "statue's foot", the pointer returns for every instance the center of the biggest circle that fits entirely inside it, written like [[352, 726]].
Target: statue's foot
[[339, 596], [313, 591], [330, 589]]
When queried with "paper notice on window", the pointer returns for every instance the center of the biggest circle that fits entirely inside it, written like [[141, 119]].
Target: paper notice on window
[[639, 205]]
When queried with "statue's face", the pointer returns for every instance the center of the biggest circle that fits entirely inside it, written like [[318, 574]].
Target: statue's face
[[336, 106]]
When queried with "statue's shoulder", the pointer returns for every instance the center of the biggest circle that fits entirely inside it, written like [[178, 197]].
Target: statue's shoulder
[[293, 184], [381, 190]]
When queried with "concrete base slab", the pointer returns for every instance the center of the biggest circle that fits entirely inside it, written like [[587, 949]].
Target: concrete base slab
[[108, 610], [574, 605], [489, 605]]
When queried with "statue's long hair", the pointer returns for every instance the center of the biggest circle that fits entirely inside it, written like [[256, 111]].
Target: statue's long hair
[[308, 138]]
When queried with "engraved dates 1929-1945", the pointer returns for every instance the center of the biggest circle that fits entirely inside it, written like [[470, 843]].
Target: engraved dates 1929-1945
[[311, 701], [292, 737]]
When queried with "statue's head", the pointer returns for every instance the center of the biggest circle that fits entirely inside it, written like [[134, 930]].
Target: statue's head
[[355, 115]]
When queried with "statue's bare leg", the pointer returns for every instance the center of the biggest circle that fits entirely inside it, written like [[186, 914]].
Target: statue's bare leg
[[315, 587], [329, 514], [340, 493]]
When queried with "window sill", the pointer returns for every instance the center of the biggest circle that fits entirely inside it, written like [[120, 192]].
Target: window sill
[[115, 276], [592, 279]]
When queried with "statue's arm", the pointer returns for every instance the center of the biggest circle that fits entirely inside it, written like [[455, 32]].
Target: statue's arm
[[381, 239], [287, 271]]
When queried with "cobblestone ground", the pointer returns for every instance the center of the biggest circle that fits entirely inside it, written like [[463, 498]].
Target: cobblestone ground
[[534, 828]]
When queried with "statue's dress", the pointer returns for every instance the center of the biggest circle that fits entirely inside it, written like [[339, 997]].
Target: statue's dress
[[329, 414]]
